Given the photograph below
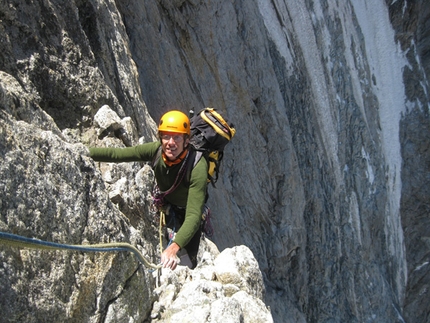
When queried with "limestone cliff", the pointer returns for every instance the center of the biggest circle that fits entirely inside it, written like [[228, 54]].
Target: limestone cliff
[[322, 207]]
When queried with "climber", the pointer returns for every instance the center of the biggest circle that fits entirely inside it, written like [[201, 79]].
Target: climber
[[185, 201]]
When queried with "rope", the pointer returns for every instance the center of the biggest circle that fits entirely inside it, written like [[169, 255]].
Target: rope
[[23, 242], [160, 230]]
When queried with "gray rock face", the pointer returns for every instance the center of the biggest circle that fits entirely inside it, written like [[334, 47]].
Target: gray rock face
[[51, 191], [227, 288], [325, 182]]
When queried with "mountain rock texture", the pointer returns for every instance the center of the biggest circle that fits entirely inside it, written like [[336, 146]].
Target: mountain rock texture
[[321, 213]]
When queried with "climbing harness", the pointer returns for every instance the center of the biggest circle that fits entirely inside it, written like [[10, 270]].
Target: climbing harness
[[23, 242]]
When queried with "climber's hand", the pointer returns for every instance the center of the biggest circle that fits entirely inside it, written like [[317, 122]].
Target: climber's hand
[[169, 259]]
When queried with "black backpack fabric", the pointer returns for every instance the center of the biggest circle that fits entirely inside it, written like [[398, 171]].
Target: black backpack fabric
[[210, 133]]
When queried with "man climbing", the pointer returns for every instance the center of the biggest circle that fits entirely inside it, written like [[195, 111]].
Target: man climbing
[[184, 199]]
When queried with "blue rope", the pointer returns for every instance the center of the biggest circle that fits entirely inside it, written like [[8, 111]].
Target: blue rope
[[24, 242]]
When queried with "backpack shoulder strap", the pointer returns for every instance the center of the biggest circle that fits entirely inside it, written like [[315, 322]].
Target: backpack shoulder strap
[[197, 158], [194, 158], [156, 158]]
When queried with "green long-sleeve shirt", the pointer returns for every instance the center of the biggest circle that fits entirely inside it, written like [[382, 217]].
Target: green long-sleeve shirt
[[190, 196]]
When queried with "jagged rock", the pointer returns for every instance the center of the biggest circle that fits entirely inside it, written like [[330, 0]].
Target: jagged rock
[[237, 266], [106, 119], [209, 294], [128, 132], [22, 105], [50, 190], [108, 122]]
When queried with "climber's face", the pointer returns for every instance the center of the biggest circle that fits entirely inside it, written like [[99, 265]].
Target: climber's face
[[173, 144]]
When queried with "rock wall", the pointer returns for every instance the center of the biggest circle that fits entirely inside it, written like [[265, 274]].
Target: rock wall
[[412, 33], [325, 181]]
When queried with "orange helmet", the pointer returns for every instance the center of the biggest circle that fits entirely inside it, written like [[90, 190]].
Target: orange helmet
[[174, 121]]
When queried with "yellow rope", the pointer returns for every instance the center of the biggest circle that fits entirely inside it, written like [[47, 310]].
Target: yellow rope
[[160, 230]]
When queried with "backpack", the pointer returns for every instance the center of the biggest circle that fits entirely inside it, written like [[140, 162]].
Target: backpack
[[210, 133]]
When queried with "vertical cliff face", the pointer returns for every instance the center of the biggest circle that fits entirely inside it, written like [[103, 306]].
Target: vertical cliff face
[[325, 181], [412, 33]]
